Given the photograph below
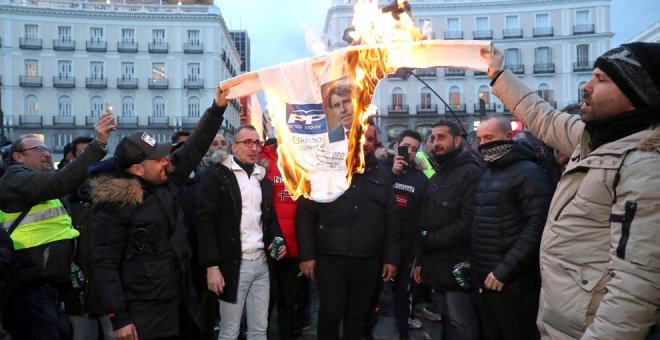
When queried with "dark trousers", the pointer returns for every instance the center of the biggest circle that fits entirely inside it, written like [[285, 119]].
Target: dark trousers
[[401, 299], [460, 320], [346, 286], [35, 312], [508, 315], [288, 282]]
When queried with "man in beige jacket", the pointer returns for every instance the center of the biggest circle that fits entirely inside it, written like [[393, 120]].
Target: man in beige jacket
[[600, 251]]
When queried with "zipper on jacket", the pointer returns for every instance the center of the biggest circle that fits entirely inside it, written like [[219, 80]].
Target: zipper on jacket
[[564, 206], [629, 215]]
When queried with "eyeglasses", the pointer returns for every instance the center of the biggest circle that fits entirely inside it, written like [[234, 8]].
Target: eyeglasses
[[40, 148], [249, 142]]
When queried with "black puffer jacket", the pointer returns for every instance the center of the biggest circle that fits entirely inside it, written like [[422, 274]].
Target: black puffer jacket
[[447, 219], [511, 206], [363, 222]]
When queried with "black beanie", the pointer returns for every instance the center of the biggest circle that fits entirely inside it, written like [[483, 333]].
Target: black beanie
[[635, 69]]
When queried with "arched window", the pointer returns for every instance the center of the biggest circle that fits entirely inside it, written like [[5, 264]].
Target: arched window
[[158, 106], [544, 92], [397, 98], [64, 106], [193, 107], [455, 98], [127, 106], [31, 105], [484, 94], [96, 106], [425, 99]]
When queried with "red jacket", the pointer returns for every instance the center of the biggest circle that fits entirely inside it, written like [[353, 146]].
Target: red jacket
[[285, 206]]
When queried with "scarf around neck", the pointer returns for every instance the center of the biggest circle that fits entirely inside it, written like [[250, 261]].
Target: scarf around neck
[[621, 125], [495, 150]]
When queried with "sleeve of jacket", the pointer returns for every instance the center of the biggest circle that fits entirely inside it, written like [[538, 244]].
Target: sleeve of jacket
[[273, 223], [630, 307], [560, 130], [392, 247], [533, 195], [307, 220], [108, 250], [186, 158], [208, 214], [460, 229]]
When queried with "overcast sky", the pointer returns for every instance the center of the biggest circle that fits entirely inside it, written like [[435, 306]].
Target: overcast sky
[[277, 28]]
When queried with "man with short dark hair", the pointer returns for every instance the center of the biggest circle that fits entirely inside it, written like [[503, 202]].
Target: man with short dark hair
[[447, 220], [78, 144], [141, 253], [599, 254], [180, 136], [30, 195]]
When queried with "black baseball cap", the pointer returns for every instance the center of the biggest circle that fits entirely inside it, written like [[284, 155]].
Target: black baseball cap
[[137, 147]]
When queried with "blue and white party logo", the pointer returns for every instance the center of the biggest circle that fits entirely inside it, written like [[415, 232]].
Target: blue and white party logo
[[306, 119]]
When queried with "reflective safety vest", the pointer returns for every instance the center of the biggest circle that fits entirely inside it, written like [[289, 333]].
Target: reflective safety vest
[[429, 171], [45, 222]]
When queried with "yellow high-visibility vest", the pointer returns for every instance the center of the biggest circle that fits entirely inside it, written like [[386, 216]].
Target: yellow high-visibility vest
[[45, 222]]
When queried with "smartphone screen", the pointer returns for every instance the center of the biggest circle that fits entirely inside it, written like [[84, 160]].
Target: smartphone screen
[[403, 151]]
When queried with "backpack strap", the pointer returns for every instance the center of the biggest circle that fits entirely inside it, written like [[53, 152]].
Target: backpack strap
[[18, 220]]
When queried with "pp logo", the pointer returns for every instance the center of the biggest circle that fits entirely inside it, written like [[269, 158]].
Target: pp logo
[[306, 119]]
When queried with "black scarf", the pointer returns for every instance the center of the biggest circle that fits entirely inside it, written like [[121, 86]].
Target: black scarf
[[249, 168], [493, 151], [621, 125], [442, 159]]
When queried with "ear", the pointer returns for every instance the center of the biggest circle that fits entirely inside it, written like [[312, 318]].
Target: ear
[[509, 135], [458, 141], [18, 157], [233, 148], [136, 170]]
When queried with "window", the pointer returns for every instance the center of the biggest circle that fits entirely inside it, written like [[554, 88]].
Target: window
[[97, 106], [159, 106], [582, 55], [194, 37], [96, 34], [484, 94], [542, 20], [31, 31], [127, 70], [425, 98], [64, 106], [193, 107], [128, 35], [62, 139], [424, 26], [453, 24], [64, 69], [64, 33], [454, 97], [482, 24], [512, 22], [397, 99], [158, 36], [543, 56], [31, 105], [582, 18], [127, 106], [31, 68], [580, 91], [512, 56], [158, 71], [544, 92], [193, 71], [96, 70]]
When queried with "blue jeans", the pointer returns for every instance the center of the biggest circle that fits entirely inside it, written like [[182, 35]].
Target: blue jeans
[[253, 294], [36, 312], [460, 320]]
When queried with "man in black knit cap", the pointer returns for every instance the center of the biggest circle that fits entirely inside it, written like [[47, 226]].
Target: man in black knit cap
[[599, 258]]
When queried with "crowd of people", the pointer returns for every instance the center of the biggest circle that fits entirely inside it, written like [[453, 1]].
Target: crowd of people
[[492, 237]]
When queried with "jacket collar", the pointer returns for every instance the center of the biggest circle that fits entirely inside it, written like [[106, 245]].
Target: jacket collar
[[259, 170]]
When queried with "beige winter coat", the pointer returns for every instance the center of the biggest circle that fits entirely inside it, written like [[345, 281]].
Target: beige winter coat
[[600, 252]]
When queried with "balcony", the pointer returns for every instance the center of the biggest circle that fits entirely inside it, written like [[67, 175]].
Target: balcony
[[512, 33], [426, 72], [193, 83], [158, 47], [96, 83], [189, 121], [193, 48], [162, 121], [127, 121], [397, 109], [30, 43], [158, 84], [30, 121], [427, 109], [65, 82], [540, 32], [516, 68], [127, 83], [453, 35], [127, 46], [457, 108], [30, 81], [583, 66], [96, 46], [91, 120], [487, 108], [544, 68], [64, 121], [64, 45], [454, 72], [480, 74], [483, 35], [583, 29]]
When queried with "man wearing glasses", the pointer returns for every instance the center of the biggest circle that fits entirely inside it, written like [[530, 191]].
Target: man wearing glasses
[[236, 225], [40, 227]]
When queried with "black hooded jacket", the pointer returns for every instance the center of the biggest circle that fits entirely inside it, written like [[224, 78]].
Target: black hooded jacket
[[511, 205]]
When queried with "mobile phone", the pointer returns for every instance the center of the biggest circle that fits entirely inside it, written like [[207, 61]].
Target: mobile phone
[[403, 151]]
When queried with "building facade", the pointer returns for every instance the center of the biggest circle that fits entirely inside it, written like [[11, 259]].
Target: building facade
[[549, 44], [242, 43], [156, 66], [649, 34]]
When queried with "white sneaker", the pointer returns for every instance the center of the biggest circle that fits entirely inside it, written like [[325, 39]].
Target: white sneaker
[[414, 324]]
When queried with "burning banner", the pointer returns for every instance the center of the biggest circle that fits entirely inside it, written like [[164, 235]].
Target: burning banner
[[320, 106]]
